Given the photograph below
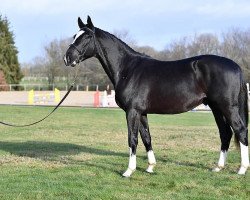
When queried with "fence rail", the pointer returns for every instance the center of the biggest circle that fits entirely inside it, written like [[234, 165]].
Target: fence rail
[[43, 87], [63, 87]]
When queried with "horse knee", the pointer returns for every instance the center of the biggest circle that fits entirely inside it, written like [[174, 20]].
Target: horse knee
[[134, 143], [243, 139], [242, 136], [239, 128]]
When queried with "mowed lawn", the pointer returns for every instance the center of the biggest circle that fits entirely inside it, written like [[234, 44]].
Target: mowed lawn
[[80, 153]]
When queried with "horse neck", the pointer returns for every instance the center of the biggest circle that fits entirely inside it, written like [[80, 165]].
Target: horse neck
[[111, 53]]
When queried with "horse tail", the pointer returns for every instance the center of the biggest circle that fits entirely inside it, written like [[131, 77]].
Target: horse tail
[[243, 107]]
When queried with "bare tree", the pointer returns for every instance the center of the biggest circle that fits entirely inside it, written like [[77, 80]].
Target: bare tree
[[147, 50], [53, 61], [175, 50], [236, 45], [206, 43], [125, 36]]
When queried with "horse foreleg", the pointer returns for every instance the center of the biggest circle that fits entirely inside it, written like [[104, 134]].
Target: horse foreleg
[[146, 138], [133, 120]]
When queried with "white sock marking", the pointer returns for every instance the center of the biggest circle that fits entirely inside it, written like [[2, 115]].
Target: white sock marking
[[131, 164], [221, 162], [151, 157], [244, 159], [151, 161], [222, 159]]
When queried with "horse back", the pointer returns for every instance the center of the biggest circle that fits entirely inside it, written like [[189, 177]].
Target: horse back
[[175, 86]]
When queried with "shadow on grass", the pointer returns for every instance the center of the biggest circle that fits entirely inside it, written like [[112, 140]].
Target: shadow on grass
[[53, 151], [194, 164]]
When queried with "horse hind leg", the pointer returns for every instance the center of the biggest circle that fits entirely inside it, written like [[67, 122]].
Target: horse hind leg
[[244, 159], [243, 136], [241, 132], [146, 138], [225, 136]]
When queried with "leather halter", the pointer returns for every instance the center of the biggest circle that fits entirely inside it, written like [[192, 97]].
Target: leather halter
[[82, 53]]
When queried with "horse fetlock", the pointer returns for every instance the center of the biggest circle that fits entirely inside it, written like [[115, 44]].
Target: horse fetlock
[[128, 172], [151, 161], [131, 164], [218, 168], [221, 162], [150, 168], [151, 157], [242, 170]]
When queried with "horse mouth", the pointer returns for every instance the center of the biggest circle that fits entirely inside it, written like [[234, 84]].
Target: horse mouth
[[73, 64]]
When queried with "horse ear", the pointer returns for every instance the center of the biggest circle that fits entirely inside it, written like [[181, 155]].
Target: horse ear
[[90, 24], [80, 23]]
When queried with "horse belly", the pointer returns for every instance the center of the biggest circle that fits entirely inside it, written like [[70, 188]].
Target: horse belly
[[174, 102]]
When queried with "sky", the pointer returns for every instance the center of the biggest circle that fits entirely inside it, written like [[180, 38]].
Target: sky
[[149, 22]]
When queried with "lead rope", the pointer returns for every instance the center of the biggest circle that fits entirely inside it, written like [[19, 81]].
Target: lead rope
[[15, 125], [69, 90]]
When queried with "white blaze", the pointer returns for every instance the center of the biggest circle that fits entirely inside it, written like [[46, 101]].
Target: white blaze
[[78, 35]]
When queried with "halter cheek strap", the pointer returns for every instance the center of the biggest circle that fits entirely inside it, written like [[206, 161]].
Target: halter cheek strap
[[81, 53], [92, 32], [75, 47]]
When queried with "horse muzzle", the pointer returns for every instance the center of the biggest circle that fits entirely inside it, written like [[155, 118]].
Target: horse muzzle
[[68, 62]]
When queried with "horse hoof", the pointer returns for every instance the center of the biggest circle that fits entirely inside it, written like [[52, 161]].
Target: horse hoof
[[242, 170], [218, 169], [150, 168], [128, 173]]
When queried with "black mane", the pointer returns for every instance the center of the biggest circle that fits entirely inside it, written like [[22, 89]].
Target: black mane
[[122, 43]]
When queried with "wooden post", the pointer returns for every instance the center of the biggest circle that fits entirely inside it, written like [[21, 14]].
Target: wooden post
[[97, 99]]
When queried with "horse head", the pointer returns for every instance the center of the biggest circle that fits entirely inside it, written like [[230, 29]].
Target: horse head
[[83, 45]]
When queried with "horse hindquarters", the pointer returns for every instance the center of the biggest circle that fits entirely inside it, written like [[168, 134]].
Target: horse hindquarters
[[243, 112], [240, 129], [234, 109]]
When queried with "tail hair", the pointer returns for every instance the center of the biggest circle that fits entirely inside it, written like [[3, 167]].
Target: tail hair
[[243, 109]]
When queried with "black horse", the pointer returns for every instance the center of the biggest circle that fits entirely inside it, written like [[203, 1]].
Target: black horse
[[144, 85]]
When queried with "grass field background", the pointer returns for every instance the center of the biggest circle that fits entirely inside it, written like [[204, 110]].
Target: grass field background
[[80, 153]]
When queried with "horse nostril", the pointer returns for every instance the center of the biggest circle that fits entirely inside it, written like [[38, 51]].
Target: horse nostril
[[68, 59], [65, 60]]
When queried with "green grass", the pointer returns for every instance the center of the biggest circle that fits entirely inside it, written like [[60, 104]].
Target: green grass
[[80, 153]]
